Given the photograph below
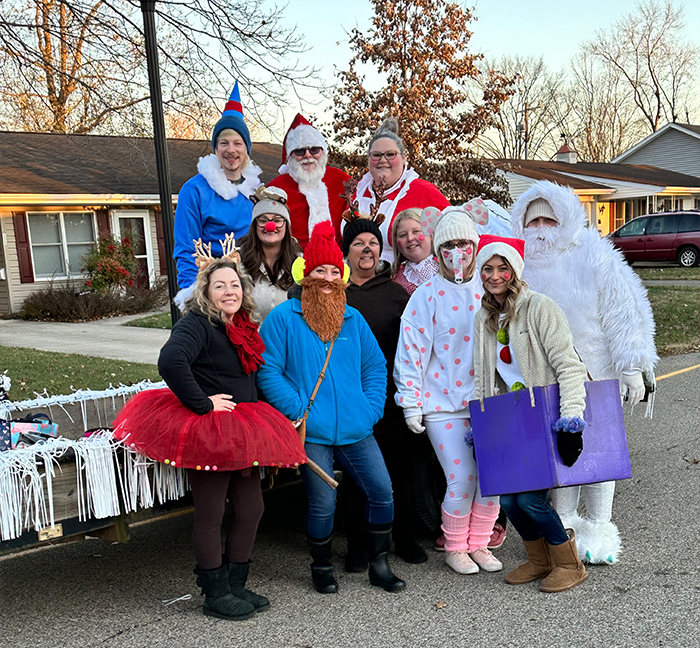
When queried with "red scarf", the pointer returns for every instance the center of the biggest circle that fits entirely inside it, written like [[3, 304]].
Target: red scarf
[[245, 337]]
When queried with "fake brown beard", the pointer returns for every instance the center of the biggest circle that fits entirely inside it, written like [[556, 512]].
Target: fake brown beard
[[323, 313]]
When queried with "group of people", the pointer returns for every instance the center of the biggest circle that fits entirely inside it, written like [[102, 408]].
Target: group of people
[[349, 322]]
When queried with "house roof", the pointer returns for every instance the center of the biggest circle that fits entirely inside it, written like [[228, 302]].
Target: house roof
[[56, 163], [565, 173], [689, 129]]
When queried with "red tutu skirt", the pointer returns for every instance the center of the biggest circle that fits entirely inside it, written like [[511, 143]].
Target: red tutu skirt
[[156, 424]]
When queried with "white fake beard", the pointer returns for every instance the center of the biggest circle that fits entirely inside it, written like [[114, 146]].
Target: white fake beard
[[307, 177], [539, 240]]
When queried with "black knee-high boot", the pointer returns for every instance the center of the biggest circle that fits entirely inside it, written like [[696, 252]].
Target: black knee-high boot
[[322, 567], [380, 574]]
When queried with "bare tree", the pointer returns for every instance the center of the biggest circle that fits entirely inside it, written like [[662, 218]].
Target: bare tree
[[420, 49], [603, 120], [646, 49], [530, 122], [78, 65]]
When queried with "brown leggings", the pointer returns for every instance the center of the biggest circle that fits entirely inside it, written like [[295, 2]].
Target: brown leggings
[[210, 490]]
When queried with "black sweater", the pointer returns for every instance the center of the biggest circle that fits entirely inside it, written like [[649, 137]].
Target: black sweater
[[381, 302], [199, 360]]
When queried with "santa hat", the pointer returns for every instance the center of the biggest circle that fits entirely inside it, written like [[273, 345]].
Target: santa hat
[[301, 134], [322, 249], [539, 207], [232, 118], [511, 249]]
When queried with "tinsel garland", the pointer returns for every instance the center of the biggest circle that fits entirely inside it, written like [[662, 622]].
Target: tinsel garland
[[105, 469]]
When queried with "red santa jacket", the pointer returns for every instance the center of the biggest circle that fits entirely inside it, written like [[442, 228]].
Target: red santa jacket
[[299, 206]]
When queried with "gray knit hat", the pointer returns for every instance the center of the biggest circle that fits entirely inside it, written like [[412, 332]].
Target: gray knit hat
[[455, 224]]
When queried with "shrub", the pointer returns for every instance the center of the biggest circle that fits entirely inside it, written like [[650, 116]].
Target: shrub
[[66, 302], [110, 265]]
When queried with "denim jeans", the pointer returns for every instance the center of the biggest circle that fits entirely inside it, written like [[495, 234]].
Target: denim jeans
[[363, 461], [533, 516]]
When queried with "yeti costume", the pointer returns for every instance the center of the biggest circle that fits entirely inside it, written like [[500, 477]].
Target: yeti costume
[[611, 322]]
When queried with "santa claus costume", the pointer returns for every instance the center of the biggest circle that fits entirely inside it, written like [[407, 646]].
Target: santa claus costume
[[313, 202], [611, 322]]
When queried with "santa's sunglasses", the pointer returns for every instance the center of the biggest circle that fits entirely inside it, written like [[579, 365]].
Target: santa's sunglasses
[[301, 152]]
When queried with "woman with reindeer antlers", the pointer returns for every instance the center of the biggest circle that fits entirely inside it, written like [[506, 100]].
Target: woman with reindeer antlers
[[211, 423], [381, 302]]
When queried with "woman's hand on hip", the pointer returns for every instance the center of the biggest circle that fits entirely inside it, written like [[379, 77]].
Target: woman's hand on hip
[[222, 402]]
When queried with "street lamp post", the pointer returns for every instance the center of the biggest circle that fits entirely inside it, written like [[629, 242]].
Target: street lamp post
[[161, 150]]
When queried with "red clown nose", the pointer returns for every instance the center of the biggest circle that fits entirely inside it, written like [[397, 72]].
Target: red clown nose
[[270, 226]]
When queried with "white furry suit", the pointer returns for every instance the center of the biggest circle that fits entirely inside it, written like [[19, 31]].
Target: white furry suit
[[612, 326]]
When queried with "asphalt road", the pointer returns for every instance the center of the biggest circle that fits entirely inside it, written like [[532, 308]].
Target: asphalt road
[[94, 593]]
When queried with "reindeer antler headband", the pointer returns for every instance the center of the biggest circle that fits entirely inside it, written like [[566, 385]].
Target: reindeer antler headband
[[353, 212], [203, 256]]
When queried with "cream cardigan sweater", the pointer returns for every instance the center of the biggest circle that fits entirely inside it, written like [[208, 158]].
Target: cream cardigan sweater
[[542, 344]]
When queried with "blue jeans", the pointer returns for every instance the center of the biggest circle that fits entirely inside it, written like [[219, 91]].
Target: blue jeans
[[363, 461], [533, 516]]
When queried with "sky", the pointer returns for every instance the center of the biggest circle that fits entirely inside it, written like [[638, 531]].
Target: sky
[[552, 29]]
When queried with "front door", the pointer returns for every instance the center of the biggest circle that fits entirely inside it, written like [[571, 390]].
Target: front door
[[134, 225]]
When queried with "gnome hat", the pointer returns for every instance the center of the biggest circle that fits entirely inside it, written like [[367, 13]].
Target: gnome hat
[[322, 249], [232, 118], [301, 134], [511, 249]]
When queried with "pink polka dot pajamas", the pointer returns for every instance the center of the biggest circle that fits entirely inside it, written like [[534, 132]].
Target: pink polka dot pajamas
[[434, 377]]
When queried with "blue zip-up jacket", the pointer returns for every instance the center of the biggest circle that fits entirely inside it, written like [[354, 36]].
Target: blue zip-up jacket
[[203, 213], [351, 398]]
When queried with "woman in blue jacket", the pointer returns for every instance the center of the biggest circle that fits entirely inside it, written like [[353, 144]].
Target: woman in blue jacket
[[298, 335]]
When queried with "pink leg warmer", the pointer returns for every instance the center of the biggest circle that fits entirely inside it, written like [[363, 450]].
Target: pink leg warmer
[[456, 530], [482, 521]]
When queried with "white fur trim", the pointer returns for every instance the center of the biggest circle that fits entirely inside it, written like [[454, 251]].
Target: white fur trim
[[598, 542], [303, 136], [210, 168], [504, 250], [182, 296], [604, 301], [317, 198]]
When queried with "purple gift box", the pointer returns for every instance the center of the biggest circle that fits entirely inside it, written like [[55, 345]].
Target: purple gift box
[[516, 450]]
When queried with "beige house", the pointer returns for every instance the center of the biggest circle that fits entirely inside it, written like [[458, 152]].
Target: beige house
[[612, 193], [59, 193]]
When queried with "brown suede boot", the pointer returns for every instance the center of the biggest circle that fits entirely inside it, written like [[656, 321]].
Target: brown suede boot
[[568, 569], [538, 564]]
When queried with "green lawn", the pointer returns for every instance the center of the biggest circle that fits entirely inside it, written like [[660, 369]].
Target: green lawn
[[668, 273], [159, 321], [677, 316], [32, 370]]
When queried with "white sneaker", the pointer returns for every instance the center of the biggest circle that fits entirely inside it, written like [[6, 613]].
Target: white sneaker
[[486, 560], [461, 562]]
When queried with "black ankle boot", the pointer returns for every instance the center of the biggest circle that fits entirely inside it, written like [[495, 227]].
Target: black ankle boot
[[380, 573], [237, 577], [218, 599], [322, 567]]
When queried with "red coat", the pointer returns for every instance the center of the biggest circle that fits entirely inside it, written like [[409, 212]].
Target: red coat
[[299, 207]]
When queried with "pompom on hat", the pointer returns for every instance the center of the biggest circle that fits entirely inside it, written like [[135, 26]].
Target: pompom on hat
[[232, 118], [301, 134], [320, 250], [511, 249]]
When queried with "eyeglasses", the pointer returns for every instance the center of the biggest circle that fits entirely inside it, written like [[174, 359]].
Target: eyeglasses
[[451, 245], [375, 156], [301, 152], [261, 222]]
